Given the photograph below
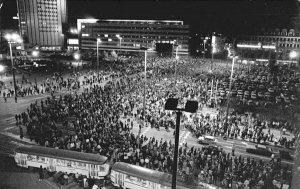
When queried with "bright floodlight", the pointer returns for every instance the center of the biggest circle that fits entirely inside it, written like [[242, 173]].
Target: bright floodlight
[[98, 40], [76, 56], [117, 35], [35, 53], [1, 68], [15, 37], [177, 57], [8, 36], [293, 54]]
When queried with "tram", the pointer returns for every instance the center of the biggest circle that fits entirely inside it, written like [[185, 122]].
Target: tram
[[62, 160], [124, 175]]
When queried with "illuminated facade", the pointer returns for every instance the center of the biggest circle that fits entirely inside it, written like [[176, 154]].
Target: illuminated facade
[[269, 46], [41, 22], [132, 34]]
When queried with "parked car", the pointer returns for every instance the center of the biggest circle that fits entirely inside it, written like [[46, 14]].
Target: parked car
[[286, 155], [207, 140], [261, 150], [213, 149]]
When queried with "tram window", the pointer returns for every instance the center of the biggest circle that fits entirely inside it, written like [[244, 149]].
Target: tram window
[[82, 165], [68, 163], [39, 158], [31, 158], [102, 168]]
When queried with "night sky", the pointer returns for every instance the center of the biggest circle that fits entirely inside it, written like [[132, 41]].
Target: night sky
[[204, 16]]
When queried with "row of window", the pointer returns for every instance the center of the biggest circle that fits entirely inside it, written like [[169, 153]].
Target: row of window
[[141, 38], [89, 43], [130, 41], [136, 30], [136, 27], [138, 24], [271, 39], [46, 1], [45, 12]]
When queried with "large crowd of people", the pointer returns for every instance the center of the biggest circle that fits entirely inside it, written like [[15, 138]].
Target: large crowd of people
[[99, 120]]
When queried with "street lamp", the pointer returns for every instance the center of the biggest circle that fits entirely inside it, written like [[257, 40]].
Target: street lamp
[[13, 38], [230, 84], [35, 53], [190, 106], [1, 68], [293, 55], [145, 80], [204, 41], [176, 58], [120, 38], [76, 56], [98, 41]]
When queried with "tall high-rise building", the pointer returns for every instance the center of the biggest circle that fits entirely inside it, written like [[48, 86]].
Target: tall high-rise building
[[41, 22]]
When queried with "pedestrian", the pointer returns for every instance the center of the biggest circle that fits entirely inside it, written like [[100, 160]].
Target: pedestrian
[[233, 149], [66, 178], [41, 173], [21, 132], [5, 99], [16, 99]]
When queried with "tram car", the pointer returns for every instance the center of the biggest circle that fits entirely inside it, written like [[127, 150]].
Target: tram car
[[62, 160], [124, 175]]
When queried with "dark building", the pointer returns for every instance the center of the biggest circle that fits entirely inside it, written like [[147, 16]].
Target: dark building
[[281, 46]]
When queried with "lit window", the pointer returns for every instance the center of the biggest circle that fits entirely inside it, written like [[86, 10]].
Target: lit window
[[109, 40], [83, 26], [85, 34], [105, 35]]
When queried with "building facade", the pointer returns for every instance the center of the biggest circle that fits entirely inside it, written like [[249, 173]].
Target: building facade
[[132, 34], [267, 46], [41, 23]]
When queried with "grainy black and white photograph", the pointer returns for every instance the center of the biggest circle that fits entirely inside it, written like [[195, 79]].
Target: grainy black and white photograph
[[149, 94]]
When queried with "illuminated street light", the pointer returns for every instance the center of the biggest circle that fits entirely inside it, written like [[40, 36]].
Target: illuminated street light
[[1, 68], [13, 38], [293, 54], [76, 56], [120, 38], [35, 53], [98, 41]]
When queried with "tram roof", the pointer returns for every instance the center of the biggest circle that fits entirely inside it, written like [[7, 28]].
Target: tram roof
[[150, 175], [140, 172], [63, 154]]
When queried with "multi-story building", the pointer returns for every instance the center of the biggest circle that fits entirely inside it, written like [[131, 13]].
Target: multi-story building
[[268, 46], [129, 35], [41, 23]]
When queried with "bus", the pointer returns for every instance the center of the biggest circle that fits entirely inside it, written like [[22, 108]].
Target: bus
[[66, 161], [124, 175]]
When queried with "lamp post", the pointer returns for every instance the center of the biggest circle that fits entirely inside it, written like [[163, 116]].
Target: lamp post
[[145, 80], [98, 41], [13, 38], [120, 38], [230, 84], [176, 59], [190, 106], [204, 41], [293, 55]]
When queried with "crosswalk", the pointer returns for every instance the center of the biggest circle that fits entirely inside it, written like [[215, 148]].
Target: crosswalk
[[145, 131], [183, 136]]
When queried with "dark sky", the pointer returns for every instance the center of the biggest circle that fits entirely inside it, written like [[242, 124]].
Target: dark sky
[[224, 16]]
